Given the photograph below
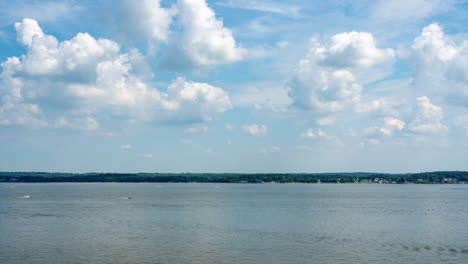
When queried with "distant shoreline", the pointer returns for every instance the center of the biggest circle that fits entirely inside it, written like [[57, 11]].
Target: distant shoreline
[[440, 177], [246, 183]]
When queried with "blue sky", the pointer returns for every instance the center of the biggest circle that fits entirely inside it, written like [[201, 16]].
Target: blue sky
[[233, 86]]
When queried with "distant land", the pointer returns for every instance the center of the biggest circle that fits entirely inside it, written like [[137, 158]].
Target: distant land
[[438, 177]]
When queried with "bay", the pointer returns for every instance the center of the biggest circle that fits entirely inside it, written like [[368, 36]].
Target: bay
[[232, 223]]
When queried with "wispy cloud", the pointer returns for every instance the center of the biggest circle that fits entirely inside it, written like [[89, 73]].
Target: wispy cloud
[[44, 11], [265, 6]]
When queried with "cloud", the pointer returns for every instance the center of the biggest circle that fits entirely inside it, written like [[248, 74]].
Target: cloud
[[57, 82], [46, 11], [390, 127], [229, 126], [308, 134], [126, 146], [27, 30], [382, 106], [255, 129], [428, 117], [81, 123], [197, 101], [203, 41], [330, 77], [352, 50], [319, 134], [425, 119], [401, 10], [441, 65], [265, 6], [144, 20]]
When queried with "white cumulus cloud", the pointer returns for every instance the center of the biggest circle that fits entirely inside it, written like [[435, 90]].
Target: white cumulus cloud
[[27, 30], [144, 20], [428, 117], [390, 125], [441, 65], [204, 39], [331, 76], [65, 84]]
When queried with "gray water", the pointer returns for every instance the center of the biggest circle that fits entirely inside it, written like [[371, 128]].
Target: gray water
[[233, 223]]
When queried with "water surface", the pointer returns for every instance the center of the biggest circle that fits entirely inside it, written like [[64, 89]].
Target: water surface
[[233, 223]]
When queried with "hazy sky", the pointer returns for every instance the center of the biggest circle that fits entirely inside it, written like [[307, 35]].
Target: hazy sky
[[233, 86]]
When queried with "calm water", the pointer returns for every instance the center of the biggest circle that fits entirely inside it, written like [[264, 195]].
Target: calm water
[[233, 223]]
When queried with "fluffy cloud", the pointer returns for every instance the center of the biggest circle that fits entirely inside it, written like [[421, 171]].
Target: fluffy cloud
[[204, 39], [63, 84], [145, 20], [428, 117], [255, 130], [389, 127], [27, 30], [441, 65], [353, 49], [330, 77], [424, 119], [197, 101]]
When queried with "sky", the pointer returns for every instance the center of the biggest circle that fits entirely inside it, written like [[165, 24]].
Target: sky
[[233, 86]]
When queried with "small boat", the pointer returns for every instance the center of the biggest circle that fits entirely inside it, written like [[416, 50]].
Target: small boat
[[25, 197], [126, 198]]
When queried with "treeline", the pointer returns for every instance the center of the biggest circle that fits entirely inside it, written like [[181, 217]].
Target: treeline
[[359, 177]]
